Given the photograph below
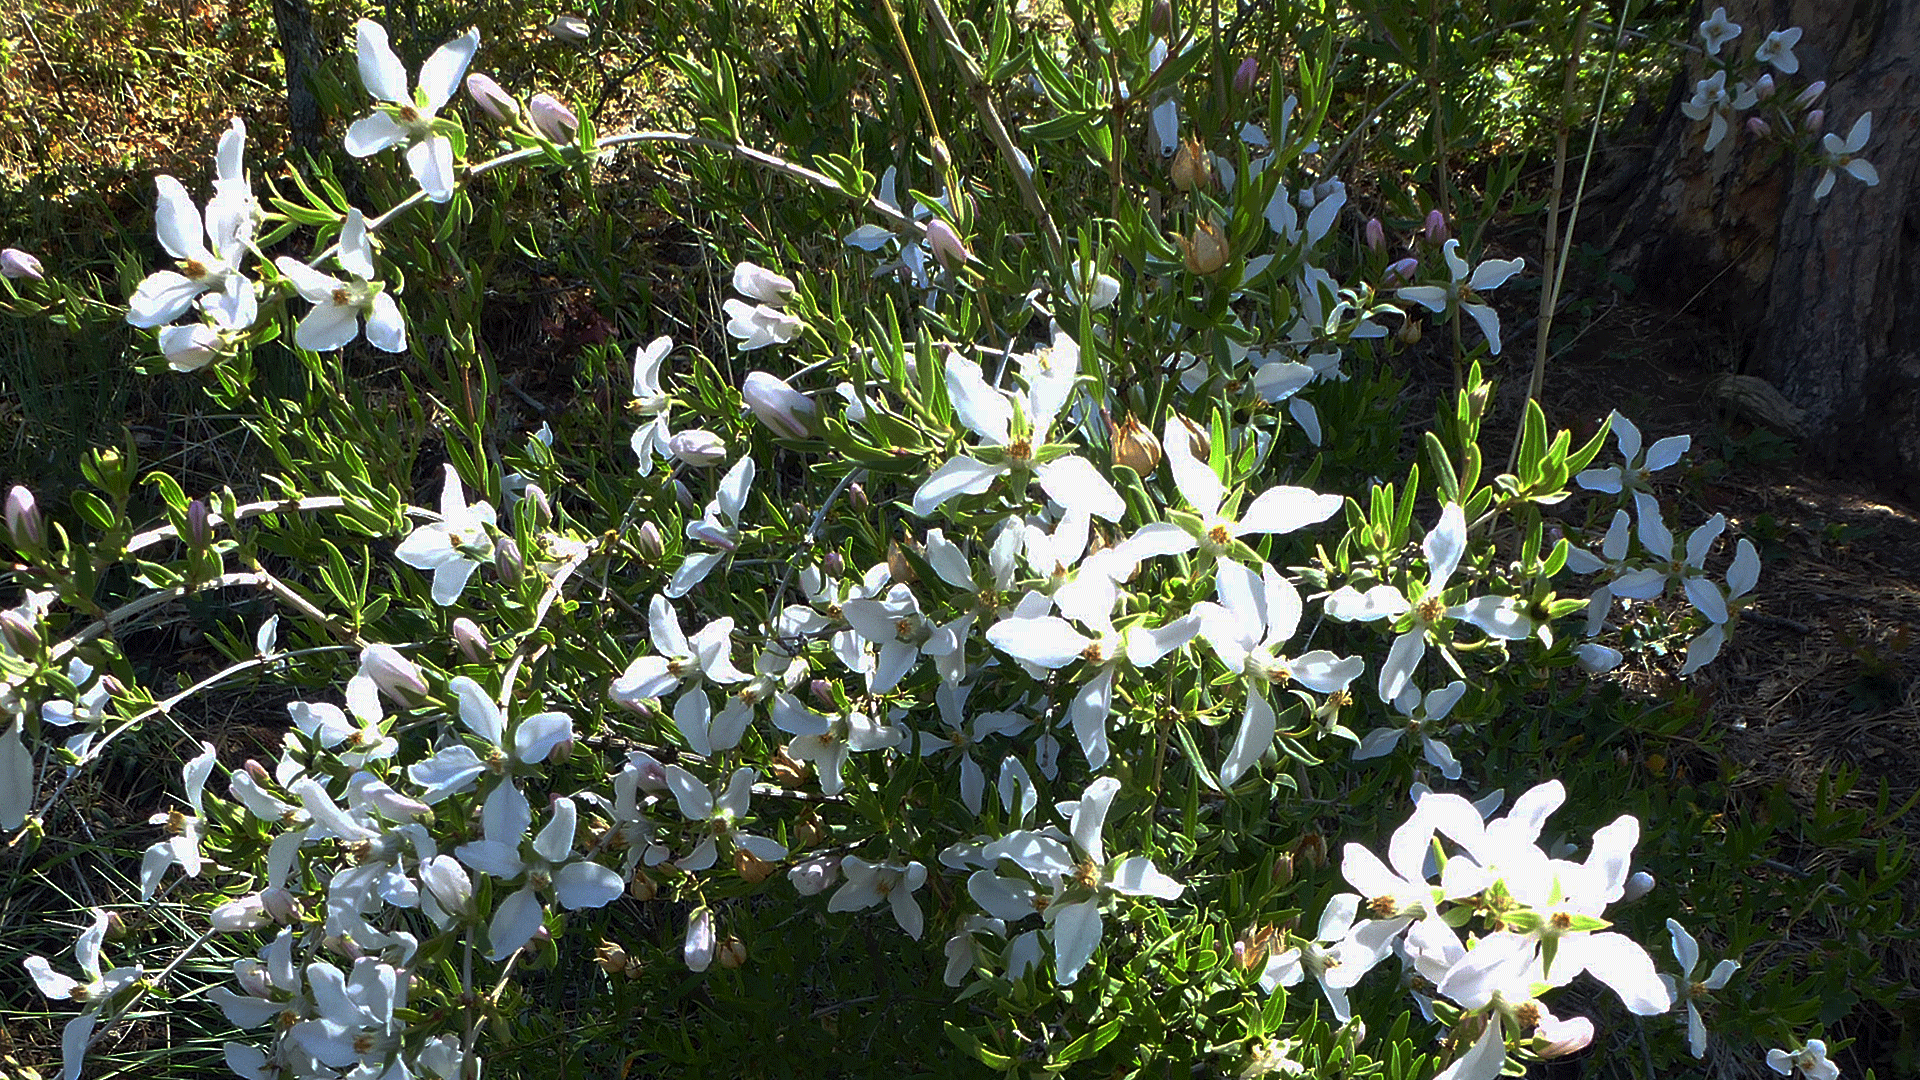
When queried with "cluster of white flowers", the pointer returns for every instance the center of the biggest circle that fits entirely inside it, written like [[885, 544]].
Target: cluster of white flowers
[[1721, 106]]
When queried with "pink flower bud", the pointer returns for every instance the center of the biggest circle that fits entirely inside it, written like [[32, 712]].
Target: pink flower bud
[[1763, 87], [553, 119], [822, 691], [471, 641], [279, 904], [1376, 235], [1403, 269], [253, 978], [19, 633], [785, 411], [1810, 95], [24, 523], [239, 916], [1161, 22], [394, 674], [492, 98], [507, 560], [1816, 120], [1638, 885], [834, 563], [1244, 76], [947, 245], [1759, 127], [571, 29], [199, 523], [1558, 1038], [698, 950], [1436, 227], [19, 265], [698, 447]]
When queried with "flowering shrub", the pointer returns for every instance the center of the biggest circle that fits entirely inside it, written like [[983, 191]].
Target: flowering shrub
[[1026, 616]]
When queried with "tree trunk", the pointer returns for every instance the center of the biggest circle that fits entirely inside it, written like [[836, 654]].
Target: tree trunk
[[293, 19], [1822, 292]]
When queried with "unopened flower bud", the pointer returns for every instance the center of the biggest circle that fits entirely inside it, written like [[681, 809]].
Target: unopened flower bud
[[394, 674], [492, 98], [1282, 871], [19, 633], [507, 560], [536, 496], [814, 876], [571, 29], [1409, 332], [1436, 230], [1192, 168], [253, 978], [898, 566], [552, 118], [822, 691], [280, 904], [447, 882], [199, 524], [1376, 235], [1811, 94], [834, 563], [1312, 850], [648, 541], [1763, 87], [1816, 120], [1135, 447], [642, 887], [1557, 1038], [948, 248], [20, 265], [471, 640], [239, 916], [1161, 22], [808, 831], [257, 771], [857, 496], [1199, 439], [1402, 270], [24, 523], [785, 411], [786, 771], [1206, 251], [731, 953], [116, 927], [698, 949], [698, 447], [752, 869], [1244, 77], [1759, 127], [1638, 884], [611, 958]]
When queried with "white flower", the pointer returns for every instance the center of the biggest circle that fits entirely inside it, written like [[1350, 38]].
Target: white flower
[[98, 989], [1257, 616], [1275, 511], [339, 305], [400, 117], [183, 845], [1742, 576], [719, 526], [1810, 1059], [869, 883], [1844, 155], [697, 447], [1710, 100], [16, 778], [765, 323], [1462, 291], [1777, 50], [679, 659], [453, 547], [898, 629], [1636, 474], [1685, 988], [1718, 30], [1675, 563], [209, 248], [1423, 717], [1496, 616], [698, 948], [651, 439], [721, 810], [552, 865], [825, 742], [1339, 955], [1013, 431], [961, 737], [871, 237]]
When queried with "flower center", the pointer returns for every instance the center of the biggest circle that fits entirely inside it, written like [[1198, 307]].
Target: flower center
[[1020, 450], [1432, 609], [193, 268], [1383, 907]]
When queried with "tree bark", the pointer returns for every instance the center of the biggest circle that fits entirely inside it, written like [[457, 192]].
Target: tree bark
[[1821, 291], [293, 20]]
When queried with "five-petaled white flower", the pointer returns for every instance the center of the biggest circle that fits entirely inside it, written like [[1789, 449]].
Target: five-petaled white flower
[[182, 845], [1844, 155], [1462, 291], [1689, 990], [650, 400], [400, 117], [1013, 430], [765, 323], [1742, 576], [339, 306], [1338, 956], [869, 883], [1711, 101], [719, 526], [98, 988], [453, 547], [1423, 716], [1636, 474], [550, 866]]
